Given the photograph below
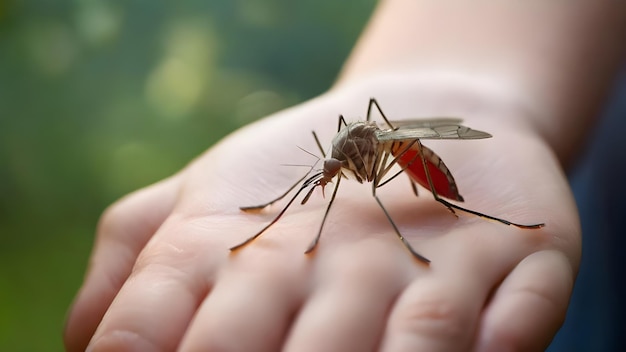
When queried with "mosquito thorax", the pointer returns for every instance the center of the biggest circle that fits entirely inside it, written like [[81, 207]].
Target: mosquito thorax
[[354, 147]]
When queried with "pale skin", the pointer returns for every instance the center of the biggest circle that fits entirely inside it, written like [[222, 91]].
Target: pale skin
[[161, 276]]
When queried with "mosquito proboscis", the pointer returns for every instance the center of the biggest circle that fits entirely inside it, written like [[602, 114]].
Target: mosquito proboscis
[[367, 152]]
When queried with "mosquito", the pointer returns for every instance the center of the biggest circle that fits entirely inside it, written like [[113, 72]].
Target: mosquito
[[366, 152]]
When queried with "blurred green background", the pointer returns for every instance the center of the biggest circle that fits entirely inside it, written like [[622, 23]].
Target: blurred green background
[[99, 98]]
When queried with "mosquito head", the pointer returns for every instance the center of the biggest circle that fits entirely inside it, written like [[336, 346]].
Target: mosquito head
[[332, 167]]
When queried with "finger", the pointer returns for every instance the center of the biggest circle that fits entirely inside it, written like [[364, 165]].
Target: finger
[[530, 305], [433, 316], [123, 231], [251, 306], [167, 284], [347, 311], [440, 309]]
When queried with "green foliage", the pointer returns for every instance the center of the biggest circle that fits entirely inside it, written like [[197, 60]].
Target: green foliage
[[99, 98]]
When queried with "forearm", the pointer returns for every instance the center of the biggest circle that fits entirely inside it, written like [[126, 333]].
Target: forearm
[[554, 59]]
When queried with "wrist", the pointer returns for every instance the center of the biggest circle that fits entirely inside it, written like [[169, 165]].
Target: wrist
[[517, 54]]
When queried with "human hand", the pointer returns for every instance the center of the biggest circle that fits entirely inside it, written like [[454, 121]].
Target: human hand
[[162, 278]]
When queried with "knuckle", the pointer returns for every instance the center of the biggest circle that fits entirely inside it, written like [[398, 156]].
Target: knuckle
[[435, 317], [123, 340], [174, 255], [127, 222], [115, 218], [167, 265], [161, 254]]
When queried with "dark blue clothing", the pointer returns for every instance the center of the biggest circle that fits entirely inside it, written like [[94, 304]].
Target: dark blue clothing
[[596, 319]]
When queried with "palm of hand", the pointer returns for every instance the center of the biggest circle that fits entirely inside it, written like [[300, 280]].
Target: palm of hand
[[179, 286]]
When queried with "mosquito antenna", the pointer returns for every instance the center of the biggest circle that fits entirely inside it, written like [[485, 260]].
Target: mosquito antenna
[[298, 165], [451, 206], [306, 184], [261, 206], [308, 152], [319, 233]]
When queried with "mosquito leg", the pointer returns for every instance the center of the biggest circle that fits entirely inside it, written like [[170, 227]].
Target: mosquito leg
[[390, 178], [413, 184], [413, 187], [373, 102], [319, 145], [404, 241], [253, 208], [341, 121], [369, 109], [430, 180], [393, 224], [313, 244], [240, 245], [393, 162], [451, 206], [385, 169], [485, 216]]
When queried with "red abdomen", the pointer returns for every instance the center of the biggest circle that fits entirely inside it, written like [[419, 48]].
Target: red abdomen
[[442, 179]]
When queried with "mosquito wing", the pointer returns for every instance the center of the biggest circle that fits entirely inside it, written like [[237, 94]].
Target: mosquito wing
[[428, 122], [442, 131]]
